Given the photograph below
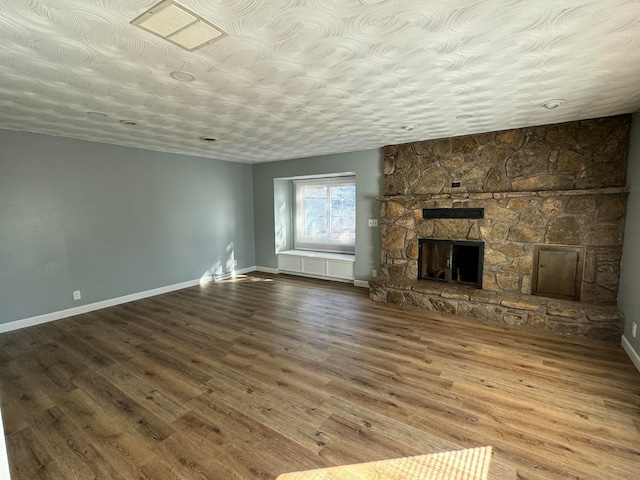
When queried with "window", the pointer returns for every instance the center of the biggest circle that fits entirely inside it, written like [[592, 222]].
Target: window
[[325, 214]]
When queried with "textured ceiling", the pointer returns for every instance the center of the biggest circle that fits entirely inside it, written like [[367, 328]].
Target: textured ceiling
[[297, 78]]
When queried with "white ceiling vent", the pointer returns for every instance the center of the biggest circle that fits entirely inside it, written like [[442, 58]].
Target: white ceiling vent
[[179, 25]]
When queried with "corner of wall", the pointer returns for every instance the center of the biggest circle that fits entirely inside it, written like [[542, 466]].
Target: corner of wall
[[633, 355], [628, 299]]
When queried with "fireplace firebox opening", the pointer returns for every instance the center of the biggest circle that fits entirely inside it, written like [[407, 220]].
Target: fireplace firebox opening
[[453, 261]]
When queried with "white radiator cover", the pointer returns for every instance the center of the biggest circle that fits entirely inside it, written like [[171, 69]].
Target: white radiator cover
[[330, 266]]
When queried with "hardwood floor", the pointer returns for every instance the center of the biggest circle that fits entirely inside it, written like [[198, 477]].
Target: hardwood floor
[[267, 375]]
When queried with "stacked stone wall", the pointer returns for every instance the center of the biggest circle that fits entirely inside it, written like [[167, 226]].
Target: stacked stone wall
[[514, 222], [536, 313], [582, 155], [562, 184]]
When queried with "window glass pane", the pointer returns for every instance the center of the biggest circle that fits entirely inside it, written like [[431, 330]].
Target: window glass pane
[[343, 212], [316, 223], [325, 214]]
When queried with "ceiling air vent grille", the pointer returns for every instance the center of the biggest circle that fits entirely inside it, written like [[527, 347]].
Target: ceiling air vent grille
[[179, 25]]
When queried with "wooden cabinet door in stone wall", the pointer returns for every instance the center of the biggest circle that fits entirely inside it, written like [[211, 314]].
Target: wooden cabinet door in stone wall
[[557, 271]]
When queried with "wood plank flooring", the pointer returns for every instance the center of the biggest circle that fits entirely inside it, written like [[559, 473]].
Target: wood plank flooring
[[253, 378]]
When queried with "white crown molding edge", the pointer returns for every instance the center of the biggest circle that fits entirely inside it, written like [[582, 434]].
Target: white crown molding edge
[[633, 355], [90, 307]]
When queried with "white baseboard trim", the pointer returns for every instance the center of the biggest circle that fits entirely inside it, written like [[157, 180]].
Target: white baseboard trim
[[272, 271], [242, 271], [90, 307], [4, 459], [226, 276], [319, 277], [70, 312], [633, 355]]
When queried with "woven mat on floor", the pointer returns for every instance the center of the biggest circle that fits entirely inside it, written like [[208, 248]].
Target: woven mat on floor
[[469, 464]]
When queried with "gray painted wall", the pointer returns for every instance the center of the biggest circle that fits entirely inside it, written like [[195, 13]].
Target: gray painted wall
[[112, 221], [367, 166], [629, 291]]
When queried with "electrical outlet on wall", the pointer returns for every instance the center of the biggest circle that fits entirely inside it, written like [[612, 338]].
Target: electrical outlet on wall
[[374, 273], [76, 295], [633, 329]]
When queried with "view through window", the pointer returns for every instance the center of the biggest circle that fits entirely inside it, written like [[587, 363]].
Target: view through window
[[325, 214]]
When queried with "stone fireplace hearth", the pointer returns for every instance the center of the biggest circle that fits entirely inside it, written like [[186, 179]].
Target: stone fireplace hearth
[[560, 186]]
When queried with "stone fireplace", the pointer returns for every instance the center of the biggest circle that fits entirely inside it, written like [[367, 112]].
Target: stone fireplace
[[545, 207]]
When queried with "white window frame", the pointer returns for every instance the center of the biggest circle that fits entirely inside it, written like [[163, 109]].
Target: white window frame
[[324, 244]]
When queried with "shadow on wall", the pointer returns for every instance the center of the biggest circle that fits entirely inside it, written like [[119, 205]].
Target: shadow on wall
[[222, 268]]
